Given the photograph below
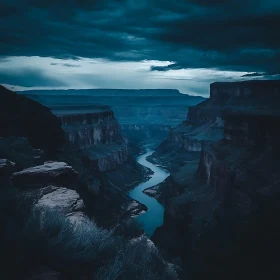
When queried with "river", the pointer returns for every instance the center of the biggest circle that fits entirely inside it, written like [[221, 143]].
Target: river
[[153, 218]]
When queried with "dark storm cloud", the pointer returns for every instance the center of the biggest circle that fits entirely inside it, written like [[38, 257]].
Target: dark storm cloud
[[226, 35]]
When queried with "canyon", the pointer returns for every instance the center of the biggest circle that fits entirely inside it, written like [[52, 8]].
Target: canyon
[[70, 179], [224, 182], [101, 159], [141, 113]]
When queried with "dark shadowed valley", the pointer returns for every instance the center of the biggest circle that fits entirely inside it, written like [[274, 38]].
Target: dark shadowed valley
[[185, 195]]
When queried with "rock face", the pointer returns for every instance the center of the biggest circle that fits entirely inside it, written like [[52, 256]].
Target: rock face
[[86, 130], [107, 157], [235, 175], [205, 121], [96, 133], [256, 89], [58, 173], [21, 116], [51, 186], [62, 200]]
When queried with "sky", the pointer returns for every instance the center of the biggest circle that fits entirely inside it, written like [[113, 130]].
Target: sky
[[182, 44]]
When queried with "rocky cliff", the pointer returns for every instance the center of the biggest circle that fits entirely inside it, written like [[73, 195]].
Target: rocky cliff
[[48, 208], [205, 121], [96, 132], [23, 117], [231, 180], [84, 130], [91, 141], [245, 89], [97, 148]]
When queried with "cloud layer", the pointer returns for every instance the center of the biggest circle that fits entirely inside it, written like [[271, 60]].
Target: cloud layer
[[220, 35]]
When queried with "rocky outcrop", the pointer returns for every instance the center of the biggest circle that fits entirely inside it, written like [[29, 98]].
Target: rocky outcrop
[[98, 114], [21, 116], [202, 127], [106, 157], [206, 121], [236, 175], [51, 187], [97, 134], [57, 173], [62, 200], [255, 89], [84, 130]]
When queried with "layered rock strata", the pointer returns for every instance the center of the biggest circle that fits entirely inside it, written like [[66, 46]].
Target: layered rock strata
[[234, 174]]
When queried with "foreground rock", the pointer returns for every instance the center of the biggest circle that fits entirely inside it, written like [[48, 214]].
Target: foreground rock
[[62, 200], [57, 173]]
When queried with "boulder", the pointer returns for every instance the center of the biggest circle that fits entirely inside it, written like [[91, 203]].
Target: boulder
[[50, 173], [62, 200]]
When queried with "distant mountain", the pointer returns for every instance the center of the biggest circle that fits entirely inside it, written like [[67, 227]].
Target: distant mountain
[[143, 106], [110, 92]]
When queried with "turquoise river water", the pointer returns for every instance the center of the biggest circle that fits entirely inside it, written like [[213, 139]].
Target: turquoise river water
[[153, 218]]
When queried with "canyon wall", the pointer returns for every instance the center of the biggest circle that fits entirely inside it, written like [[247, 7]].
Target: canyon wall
[[96, 132], [205, 121], [97, 149], [84, 130], [226, 178], [87, 137], [245, 89]]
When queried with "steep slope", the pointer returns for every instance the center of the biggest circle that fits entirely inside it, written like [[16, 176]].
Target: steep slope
[[218, 190], [49, 211], [21, 116], [101, 154]]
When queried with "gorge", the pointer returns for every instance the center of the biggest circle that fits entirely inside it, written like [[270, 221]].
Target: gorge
[[139, 140], [223, 186], [185, 191]]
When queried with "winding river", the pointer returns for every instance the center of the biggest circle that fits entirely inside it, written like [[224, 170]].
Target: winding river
[[153, 218]]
